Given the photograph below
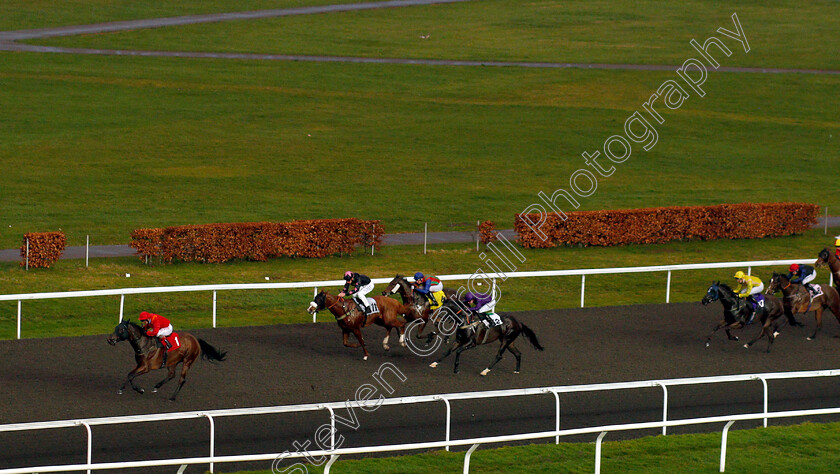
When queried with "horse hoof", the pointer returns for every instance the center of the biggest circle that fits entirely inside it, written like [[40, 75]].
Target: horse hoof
[[154, 390], [387, 348], [120, 392], [776, 334], [735, 338], [485, 372], [708, 344], [364, 358], [141, 391], [433, 365], [809, 338], [746, 346]]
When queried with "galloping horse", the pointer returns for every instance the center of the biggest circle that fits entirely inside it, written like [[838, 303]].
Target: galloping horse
[[149, 356], [415, 300], [798, 300], [826, 256], [351, 319], [736, 311], [471, 333]]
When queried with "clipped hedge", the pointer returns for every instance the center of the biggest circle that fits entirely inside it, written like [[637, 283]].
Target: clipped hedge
[[487, 232], [661, 224], [258, 241], [45, 248]]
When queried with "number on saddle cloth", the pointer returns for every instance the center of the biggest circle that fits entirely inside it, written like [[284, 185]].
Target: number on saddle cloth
[[372, 307], [171, 342], [493, 320]]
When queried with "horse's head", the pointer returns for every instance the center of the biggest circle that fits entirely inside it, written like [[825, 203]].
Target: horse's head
[[318, 303], [398, 283], [777, 282], [822, 258], [121, 333], [712, 294]]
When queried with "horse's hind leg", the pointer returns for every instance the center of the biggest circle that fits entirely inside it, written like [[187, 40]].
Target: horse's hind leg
[[818, 315], [184, 369], [458, 354], [387, 337], [502, 347]]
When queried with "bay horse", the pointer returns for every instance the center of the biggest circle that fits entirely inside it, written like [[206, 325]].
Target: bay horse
[[416, 301], [471, 332], [351, 320], [798, 300], [736, 311], [149, 355], [827, 257]]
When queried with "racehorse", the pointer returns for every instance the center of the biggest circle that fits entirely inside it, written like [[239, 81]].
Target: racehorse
[[736, 311], [351, 319], [828, 257], [415, 300], [471, 333], [798, 300], [149, 355]]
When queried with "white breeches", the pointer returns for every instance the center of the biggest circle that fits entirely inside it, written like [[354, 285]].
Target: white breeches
[[165, 331], [809, 278], [488, 307], [436, 288], [360, 296], [756, 290]]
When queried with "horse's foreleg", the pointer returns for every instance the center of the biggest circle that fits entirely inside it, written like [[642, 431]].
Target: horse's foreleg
[[346, 340], [714, 330], [387, 337], [459, 351], [169, 377], [765, 329], [445, 354], [139, 370]]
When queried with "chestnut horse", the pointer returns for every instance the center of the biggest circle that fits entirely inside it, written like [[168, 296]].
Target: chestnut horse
[[798, 300], [828, 257], [149, 355], [415, 300], [351, 319]]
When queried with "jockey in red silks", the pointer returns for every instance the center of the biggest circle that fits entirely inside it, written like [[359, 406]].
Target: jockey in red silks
[[156, 325]]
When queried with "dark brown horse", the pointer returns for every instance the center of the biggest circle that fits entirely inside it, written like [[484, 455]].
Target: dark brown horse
[[421, 308], [471, 332], [827, 257], [149, 354], [351, 319], [737, 311], [798, 300]]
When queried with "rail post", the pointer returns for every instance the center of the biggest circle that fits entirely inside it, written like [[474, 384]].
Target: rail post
[[766, 396], [668, 288], [332, 426], [89, 443], [467, 458], [582, 289], [214, 318], [122, 306], [556, 415], [448, 419], [598, 452], [315, 313], [18, 320], [664, 406], [212, 438], [329, 464], [723, 445]]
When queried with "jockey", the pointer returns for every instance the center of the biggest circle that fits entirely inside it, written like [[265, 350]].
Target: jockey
[[748, 286], [156, 325], [358, 286], [428, 286], [804, 275], [481, 304]]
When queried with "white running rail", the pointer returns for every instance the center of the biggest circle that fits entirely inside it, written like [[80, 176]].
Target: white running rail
[[447, 442], [122, 292]]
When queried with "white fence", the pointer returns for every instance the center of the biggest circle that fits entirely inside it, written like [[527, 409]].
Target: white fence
[[122, 292], [447, 442]]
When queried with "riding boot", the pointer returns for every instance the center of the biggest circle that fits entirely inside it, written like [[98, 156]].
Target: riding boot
[[431, 298], [163, 363]]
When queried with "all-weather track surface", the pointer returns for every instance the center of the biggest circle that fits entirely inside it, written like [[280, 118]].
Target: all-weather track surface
[[71, 378]]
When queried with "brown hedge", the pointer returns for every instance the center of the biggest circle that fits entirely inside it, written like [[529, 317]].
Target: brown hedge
[[661, 224], [487, 232], [45, 248], [259, 241]]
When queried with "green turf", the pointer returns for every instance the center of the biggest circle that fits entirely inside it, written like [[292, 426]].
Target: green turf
[[98, 315], [780, 33], [801, 448], [28, 14], [150, 142]]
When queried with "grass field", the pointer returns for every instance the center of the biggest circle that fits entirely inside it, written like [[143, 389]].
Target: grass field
[[780, 33], [795, 449]]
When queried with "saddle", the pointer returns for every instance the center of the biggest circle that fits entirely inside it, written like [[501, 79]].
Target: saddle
[[170, 342], [372, 307]]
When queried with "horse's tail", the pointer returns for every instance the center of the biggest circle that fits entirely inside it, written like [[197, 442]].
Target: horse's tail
[[209, 352], [532, 338]]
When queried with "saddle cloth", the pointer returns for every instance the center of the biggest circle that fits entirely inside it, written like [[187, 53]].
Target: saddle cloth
[[497, 320], [438, 296], [372, 308], [173, 340], [819, 291]]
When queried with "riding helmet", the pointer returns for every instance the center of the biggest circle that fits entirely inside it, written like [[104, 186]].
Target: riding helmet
[[739, 275], [794, 268], [418, 276], [348, 275]]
